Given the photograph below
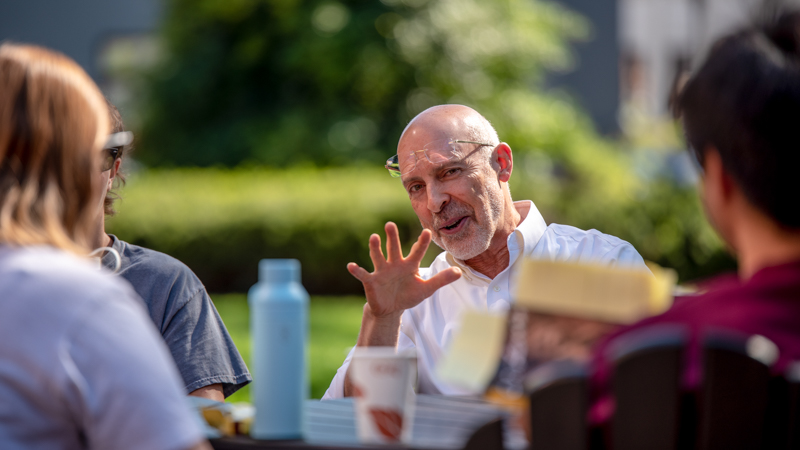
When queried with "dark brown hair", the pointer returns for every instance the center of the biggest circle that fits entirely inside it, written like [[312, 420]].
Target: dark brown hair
[[744, 101]]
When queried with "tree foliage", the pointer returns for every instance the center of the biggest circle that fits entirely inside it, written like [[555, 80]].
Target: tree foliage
[[281, 82]]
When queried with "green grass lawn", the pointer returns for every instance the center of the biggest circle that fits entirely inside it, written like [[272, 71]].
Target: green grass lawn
[[333, 326]]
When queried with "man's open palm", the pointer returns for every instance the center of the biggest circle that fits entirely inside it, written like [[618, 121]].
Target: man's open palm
[[396, 285]]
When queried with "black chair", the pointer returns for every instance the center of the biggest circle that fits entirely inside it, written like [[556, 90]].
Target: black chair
[[739, 405], [646, 386], [742, 406], [487, 437], [793, 385], [558, 393]]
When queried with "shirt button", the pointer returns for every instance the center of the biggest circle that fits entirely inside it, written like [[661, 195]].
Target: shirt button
[[497, 288]]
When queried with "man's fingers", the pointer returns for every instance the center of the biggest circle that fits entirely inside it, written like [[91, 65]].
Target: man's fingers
[[358, 272], [375, 252], [420, 247], [393, 249], [442, 278]]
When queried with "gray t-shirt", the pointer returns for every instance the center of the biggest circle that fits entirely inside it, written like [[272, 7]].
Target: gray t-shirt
[[80, 363], [185, 315]]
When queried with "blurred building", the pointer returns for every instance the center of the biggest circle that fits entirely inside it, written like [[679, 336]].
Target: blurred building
[[660, 38], [103, 36], [594, 82], [80, 28], [635, 49]]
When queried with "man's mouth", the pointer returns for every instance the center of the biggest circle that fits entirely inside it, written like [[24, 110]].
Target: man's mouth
[[454, 225]]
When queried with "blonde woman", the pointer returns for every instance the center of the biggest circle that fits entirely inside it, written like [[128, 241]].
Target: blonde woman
[[80, 364]]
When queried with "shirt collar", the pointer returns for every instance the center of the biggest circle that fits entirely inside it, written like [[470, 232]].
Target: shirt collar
[[531, 229], [525, 236]]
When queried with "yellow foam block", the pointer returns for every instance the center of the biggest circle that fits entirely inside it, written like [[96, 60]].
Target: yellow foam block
[[608, 294], [471, 359]]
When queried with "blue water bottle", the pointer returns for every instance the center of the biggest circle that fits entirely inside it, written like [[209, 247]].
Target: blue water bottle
[[278, 329]]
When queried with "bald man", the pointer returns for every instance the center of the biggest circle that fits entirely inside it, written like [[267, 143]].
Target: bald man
[[456, 172]]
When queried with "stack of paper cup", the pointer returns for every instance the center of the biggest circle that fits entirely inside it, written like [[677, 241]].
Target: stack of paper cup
[[383, 396]]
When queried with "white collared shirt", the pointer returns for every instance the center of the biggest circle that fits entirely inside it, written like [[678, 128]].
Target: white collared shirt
[[429, 326]]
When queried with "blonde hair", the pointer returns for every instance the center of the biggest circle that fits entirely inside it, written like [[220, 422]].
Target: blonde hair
[[53, 122]]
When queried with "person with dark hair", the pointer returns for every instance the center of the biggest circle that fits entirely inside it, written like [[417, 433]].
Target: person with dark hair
[[740, 113], [177, 301], [80, 363]]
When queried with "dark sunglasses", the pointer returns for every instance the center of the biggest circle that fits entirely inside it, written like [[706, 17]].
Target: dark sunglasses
[[109, 156]]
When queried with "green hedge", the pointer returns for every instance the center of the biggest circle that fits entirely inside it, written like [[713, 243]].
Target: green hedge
[[221, 222]]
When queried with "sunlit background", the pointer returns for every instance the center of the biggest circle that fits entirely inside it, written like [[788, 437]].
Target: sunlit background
[[262, 125]]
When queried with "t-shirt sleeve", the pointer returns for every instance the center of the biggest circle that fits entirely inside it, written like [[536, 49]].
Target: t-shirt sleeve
[[203, 348], [121, 383]]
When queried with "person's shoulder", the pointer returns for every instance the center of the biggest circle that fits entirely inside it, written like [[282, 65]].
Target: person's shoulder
[[574, 244], [155, 264], [578, 235], [55, 270], [42, 274]]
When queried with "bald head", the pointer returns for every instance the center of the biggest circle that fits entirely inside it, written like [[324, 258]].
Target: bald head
[[448, 121], [463, 199]]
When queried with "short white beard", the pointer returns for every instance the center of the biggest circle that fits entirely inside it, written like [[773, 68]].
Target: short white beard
[[469, 246]]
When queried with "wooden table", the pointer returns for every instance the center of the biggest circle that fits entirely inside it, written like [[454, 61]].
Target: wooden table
[[439, 423]]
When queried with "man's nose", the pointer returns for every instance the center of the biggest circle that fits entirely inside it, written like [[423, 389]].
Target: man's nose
[[437, 199]]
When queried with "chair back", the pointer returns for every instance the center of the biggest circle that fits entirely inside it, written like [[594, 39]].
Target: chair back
[[558, 406], [740, 404], [793, 387], [487, 437], [646, 386], [736, 393]]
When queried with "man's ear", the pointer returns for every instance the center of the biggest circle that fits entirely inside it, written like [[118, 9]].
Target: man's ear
[[721, 196], [113, 174], [504, 160], [717, 182], [115, 168]]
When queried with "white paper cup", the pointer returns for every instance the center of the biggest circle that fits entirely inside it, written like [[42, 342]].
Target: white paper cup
[[383, 396]]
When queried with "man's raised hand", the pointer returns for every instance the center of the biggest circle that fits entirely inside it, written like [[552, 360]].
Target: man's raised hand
[[395, 285]]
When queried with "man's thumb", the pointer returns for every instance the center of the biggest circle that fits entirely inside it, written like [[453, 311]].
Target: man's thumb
[[446, 277]]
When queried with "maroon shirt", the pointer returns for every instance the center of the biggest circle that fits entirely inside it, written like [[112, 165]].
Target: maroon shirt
[[767, 304]]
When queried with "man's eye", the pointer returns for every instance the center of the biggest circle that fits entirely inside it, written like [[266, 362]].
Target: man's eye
[[453, 171], [414, 188]]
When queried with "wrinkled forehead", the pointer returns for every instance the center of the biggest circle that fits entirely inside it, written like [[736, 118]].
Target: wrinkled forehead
[[434, 152]]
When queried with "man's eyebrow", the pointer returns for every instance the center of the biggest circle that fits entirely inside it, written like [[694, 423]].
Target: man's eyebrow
[[411, 180]]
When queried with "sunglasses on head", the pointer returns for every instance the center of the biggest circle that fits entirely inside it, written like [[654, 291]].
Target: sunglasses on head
[[113, 147]]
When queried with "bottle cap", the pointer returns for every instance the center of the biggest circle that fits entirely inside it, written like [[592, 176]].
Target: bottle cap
[[279, 270]]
